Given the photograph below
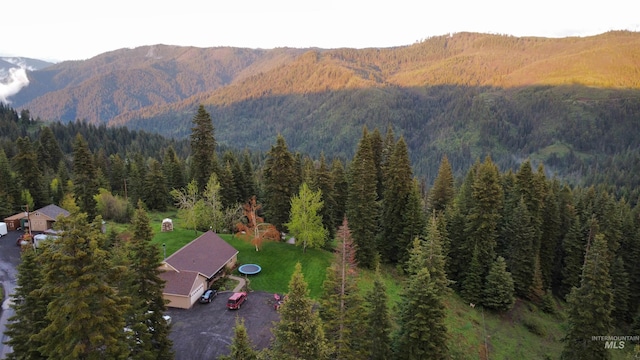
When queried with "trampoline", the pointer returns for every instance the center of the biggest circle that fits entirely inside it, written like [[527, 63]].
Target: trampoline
[[249, 269]]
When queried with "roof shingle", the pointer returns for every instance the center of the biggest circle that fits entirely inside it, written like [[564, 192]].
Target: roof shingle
[[206, 255]]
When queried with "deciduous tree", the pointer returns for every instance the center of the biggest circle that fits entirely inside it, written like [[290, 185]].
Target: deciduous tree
[[186, 200], [253, 228], [305, 222]]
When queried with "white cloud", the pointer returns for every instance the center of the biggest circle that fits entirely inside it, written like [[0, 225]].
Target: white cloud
[[11, 82]]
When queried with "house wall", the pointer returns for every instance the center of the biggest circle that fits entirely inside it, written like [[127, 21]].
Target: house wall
[[232, 263], [38, 222], [186, 302], [178, 301], [12, 225]]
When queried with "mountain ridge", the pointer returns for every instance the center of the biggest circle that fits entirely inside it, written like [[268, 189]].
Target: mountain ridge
[[466, 96]]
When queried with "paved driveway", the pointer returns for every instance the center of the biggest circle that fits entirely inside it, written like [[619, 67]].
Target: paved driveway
[[206, 330]]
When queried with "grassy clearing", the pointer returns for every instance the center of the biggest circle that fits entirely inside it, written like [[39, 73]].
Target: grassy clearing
[[276, 259]]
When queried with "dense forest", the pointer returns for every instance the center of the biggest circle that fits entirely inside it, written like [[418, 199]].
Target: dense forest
[[492, 235], [570, 104]]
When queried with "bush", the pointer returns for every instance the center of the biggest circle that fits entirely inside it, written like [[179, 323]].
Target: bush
[[534, 326]]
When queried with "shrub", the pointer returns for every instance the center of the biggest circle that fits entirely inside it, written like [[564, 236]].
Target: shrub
[[534, 326]]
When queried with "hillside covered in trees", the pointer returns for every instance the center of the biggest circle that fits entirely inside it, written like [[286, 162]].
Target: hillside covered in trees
[[571, 104], [492, 235]]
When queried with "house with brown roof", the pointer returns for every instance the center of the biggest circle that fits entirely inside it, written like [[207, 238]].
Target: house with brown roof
[[191, 270], [39, 220]]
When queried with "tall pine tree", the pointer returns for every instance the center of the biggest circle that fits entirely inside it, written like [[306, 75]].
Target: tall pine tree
[[378, 320], [203, 148], [85, 184], [398, 184], [590, 306], [340, 305], [361, 204], [422, 333], [281, 182], [86, 313], [299, 334]]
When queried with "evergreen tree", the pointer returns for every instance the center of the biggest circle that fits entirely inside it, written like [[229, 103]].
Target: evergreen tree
[[9, 198], [156, 192], [27, 170], [228, 189], [86, 313], [340, 305], [573, 246], [590, 306], [241, 347], [324, 183], [145, 291], [341, 188], [381, 151], [173, 169], [499, 291], [521, 261], [30, 305], [422, 333], [460, 247], [299, 334], [239, 180], [434, 257], [551, 238], [472, 284], [443, 191], [398, 185], [49, 151], [484, 214], [361, 202], [378, 320], [305, 222], [117, 175], [413, 218], [281, 181], [621, 312], [85, 185], [250, 186], [203, 147]]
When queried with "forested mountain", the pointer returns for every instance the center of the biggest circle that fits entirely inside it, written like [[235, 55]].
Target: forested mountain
[[571, 103]]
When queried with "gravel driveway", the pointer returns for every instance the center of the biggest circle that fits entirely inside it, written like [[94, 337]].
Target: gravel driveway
[[205, 331]]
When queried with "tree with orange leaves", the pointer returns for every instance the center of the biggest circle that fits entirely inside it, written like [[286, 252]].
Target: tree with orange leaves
[[255, 229]]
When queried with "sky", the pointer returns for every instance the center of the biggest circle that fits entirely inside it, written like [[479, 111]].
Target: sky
[[58, 30]]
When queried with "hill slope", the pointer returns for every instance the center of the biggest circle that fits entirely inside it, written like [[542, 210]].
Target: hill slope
[[571, 103]]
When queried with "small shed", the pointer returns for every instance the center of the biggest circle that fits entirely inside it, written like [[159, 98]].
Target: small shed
[[14, 222], [167, 225]]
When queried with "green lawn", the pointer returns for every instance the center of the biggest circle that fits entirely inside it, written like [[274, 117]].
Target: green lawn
[[277, 259]]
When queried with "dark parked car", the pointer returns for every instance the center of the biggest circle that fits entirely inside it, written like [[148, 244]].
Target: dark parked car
[[208, 296]]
